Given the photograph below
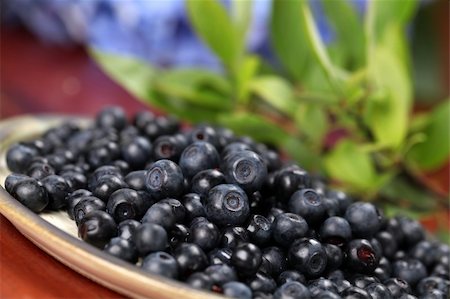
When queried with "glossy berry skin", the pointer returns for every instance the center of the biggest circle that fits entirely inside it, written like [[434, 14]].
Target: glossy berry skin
[[290, 275], [111, 117], [335, 256], [123, 249], [86, 206], [205, 133], [161, 263], [307, 256], [107, 185], [308, 204], [75, 179], [19, 157], [57, 190], [335, 230], [220, 256], [198, 156], [190, 258], [388, 243], [378, 291], [361, 256], [164, 180], [73, 198], [274, 259], [221, 274], [100, 172], [31, 193], [288, 227], [234, 236], [205, 180], [397, 287], [262, 283], [193, 206], [97, 228], [136, 180], [235, 289], [355, 292], [410, 270], [136, 152], [227, 205], [246, 259], [40, 170], [292, 290], [290, 179], [178, 234], [259, 230], [233, 148], [127, 228], [168, 147], [103, 154], [12, 179], [431, 283], [200, 281], [321, 284], [245, 169], [364, 219], [205, 234], [177, 207], [150, 237], [412, 231], [162, 214]]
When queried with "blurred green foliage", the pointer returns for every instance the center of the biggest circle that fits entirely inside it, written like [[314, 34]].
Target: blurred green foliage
[[361, 83]]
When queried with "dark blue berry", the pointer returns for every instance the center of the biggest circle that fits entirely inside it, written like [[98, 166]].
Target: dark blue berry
[[137, 152], [107, 185], [335, 256], [388, 243], [397, 287], [123, 249], [220, 256], [308, 256], [262, 283], [193, 206], [335, 230], [411, 271], [197, 157], [111, 117], [378, 291], [168, 147], [221, 274], [200, 280], [246, 259], [86, 205], [361, 256], [161, 263], [19, 156], [205, 180], [227, 205], [412, 231], [40, 170], [233, 236], [97, 228], [57, 190], [150, 237], [164, 179], [162, 214], [288, 227], [125, 204], [275, 259], [177, 208], [364, 219], [190, 258], [290, 179], [355, 293], [205, 234], [290, 275], [127, 228], [31, 193], [292, 290], [308, 204], [259, 230], [178, 234], [136, 180], [12, 179], [235, 289]]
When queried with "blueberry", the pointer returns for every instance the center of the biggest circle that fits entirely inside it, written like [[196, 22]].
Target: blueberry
[[40, 170], [150, 237], [292, 290], [262, 283], [73, 198], [321, 284], [179, 234], [161, 263], [234, 147], [19, 156], [275, 259], [57, 190], [107, 185], [378, 291], [200, 280], [384, 269], [234, 236], [288, 227], [168, 147], [136, 180], [190, 258], [220, 256], [123, 249], [361, 256], [111, 117], [245, 169], [308, 256], [164, 179], [364, 219], [335, 230], [125, 204], [97, 228], [205, 180], [227, 205], [355, 293], [246, 259], [74, 179], [205, 234], [428, 284], [127, 228], [411, 271], [308, 204], [235, 289], [136, 152], [177, 208], [290, 179], [142, 118], [31, 193], [198, 156], [397, 287], [335, 256], [162, 214], [362, 281], [259, 230], [412, 231], [387, 242], [102, 154], [86, 205], [193, 206], [12, 179], [122, 165], [102, 171], [221, 274]]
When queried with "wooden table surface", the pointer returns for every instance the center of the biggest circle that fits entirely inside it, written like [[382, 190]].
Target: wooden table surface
[[37, 78]]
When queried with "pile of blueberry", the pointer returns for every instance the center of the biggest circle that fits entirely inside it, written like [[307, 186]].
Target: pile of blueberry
[[221, 213]]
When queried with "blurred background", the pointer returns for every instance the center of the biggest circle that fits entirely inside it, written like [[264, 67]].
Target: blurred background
[[54, 59]]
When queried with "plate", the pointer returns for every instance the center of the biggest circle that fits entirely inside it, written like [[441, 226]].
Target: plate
[[56, 233]]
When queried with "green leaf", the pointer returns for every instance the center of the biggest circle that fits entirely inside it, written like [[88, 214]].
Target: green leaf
[[350, 32], [300, 152], [242, 16], [434, 151], [196, 86], [276, 91], [254, 125], [387, 116], [133, 74], [289, 38], [212, 22], [349, 164], [312, 120], [248, 70]]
